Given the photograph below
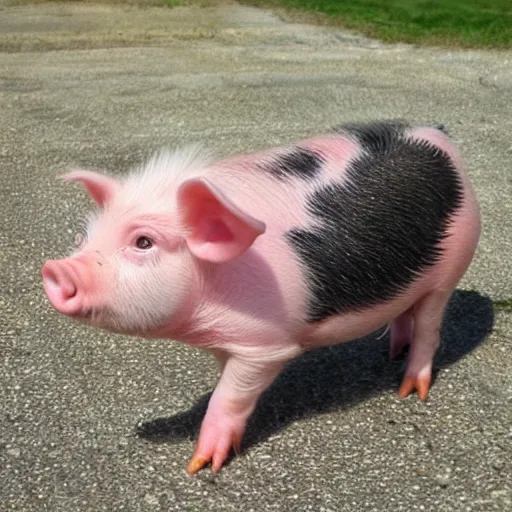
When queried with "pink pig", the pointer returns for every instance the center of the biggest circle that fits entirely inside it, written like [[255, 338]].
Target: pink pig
[[259, 258]]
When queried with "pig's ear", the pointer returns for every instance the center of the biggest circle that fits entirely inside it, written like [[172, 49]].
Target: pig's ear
[[218, 231], [100, 188]]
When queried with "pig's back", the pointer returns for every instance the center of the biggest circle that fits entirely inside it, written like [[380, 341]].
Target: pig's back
[[355, 219]]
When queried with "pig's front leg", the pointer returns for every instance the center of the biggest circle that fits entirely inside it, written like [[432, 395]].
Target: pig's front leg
[[242, 381]]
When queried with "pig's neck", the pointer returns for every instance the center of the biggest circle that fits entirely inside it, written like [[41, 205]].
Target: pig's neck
[[239, 303], [197, 330], [210, 321]]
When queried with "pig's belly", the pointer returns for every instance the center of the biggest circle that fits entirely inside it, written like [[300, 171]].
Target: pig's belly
[[351, 325]]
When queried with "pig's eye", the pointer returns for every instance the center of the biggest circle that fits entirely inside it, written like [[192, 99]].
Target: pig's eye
[[143, 242]]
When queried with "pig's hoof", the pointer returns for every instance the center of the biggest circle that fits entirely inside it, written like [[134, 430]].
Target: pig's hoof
[[196, 463], [411, 383], [215, 448]]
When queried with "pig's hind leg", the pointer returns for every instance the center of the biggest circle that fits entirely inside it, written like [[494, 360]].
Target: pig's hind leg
[[427, 318], [401, 334]]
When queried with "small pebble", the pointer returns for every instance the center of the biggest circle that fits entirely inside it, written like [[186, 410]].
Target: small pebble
[[442, 480]]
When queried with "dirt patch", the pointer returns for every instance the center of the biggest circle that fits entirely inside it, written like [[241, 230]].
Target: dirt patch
[[62, 26], [77, 26]]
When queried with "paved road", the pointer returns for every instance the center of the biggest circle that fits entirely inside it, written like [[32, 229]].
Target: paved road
[[93, 421]]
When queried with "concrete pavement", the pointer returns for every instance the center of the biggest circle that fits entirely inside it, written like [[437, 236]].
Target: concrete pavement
[[94, 421]]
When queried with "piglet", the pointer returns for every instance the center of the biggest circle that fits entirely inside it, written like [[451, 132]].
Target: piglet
[[258, 258]]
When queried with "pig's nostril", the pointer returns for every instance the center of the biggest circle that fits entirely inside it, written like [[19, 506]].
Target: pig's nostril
[[58, 283], [68, 291]]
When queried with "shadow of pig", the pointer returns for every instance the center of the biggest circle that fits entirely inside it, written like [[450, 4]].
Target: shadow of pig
[[337, 377]]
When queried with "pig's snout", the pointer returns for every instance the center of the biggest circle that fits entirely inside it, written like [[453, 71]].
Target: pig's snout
[[61, 280]]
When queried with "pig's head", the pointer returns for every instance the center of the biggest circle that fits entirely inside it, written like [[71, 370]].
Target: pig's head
[[149, 248]]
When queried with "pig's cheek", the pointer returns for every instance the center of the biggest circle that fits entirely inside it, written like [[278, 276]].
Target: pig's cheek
[[135, 258], [145, 297]]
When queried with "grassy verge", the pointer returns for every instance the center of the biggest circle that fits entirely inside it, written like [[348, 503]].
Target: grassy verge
[[503, 304], [466, 23]]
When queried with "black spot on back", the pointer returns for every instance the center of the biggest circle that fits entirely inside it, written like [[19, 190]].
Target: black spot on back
[[377, 136], [380, 229], [374, 137], [297, 162]]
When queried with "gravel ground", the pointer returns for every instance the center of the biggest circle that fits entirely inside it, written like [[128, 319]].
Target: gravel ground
[[94, 421]]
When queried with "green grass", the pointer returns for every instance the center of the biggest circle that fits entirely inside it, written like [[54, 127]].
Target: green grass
[[470, 23], [503, 304]]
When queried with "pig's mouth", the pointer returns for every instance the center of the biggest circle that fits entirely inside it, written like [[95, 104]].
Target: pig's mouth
[[85, 315], [99, 317], [107, 319]]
